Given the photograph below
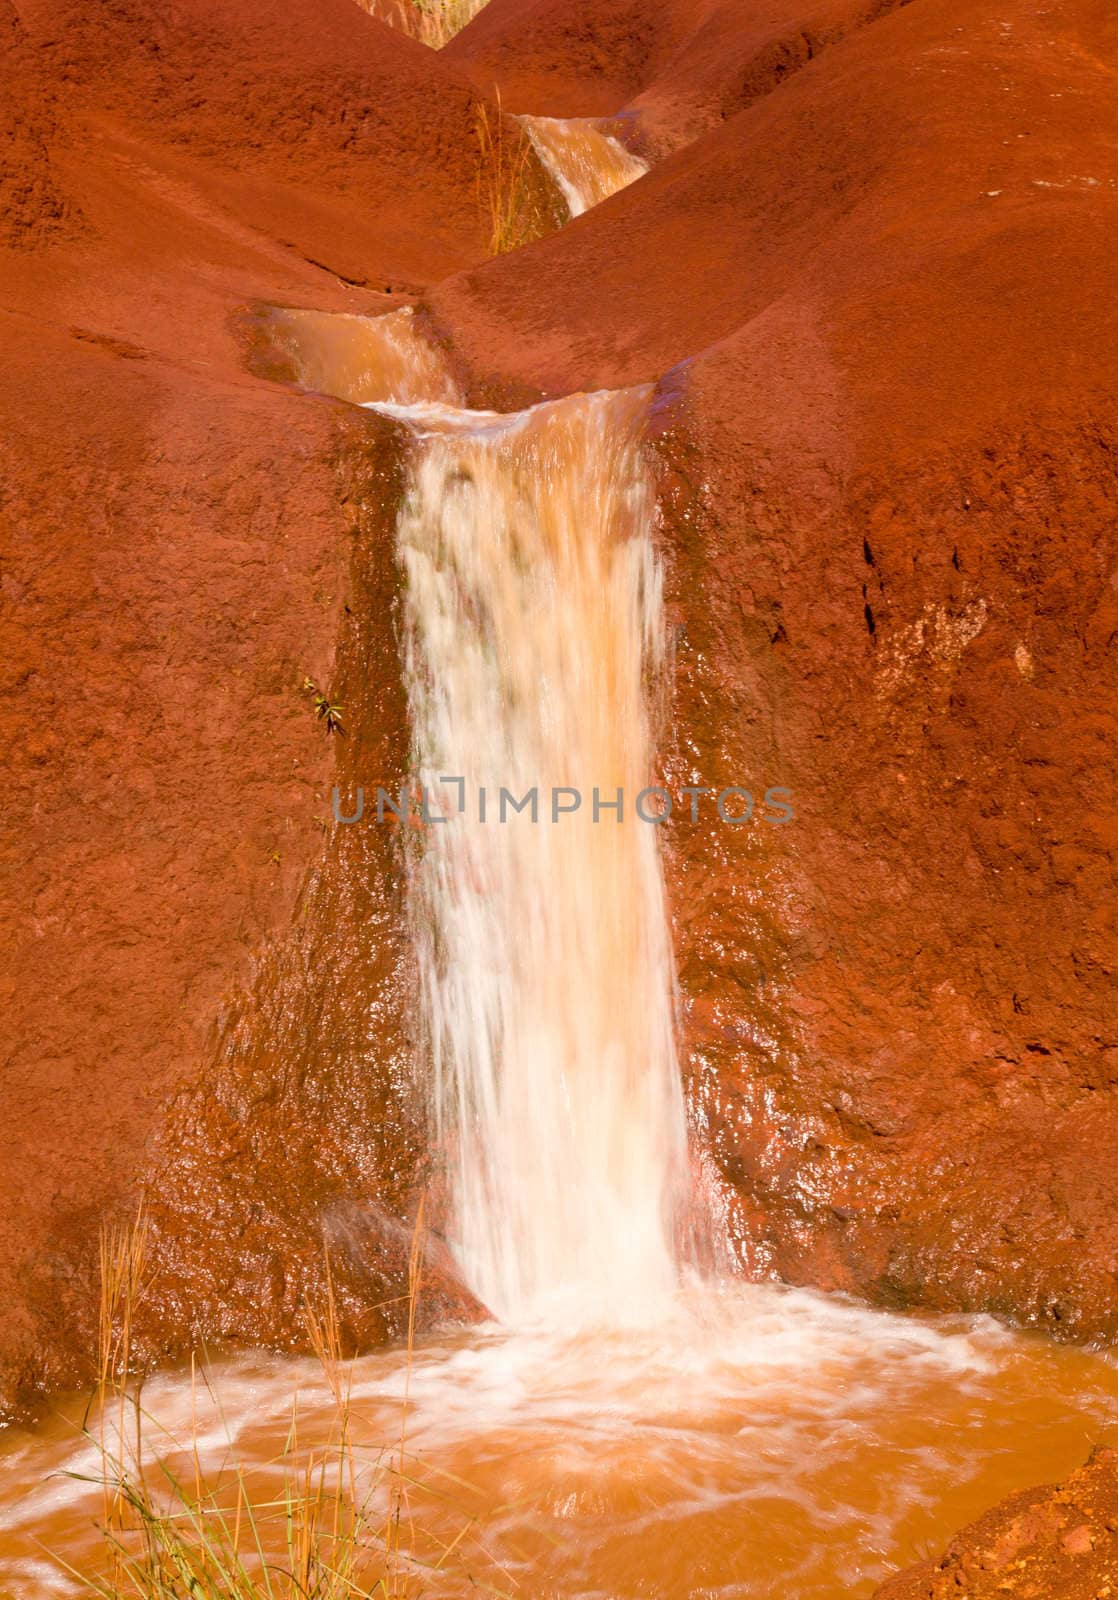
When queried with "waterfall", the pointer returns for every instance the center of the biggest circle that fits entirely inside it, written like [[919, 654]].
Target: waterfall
[[532, 623], [533, 617], [587, 164], [363, 359]]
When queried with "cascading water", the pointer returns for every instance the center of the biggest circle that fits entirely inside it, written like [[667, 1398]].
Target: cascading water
[[364, 359], [614, 1436], [587, 164], [533, 621], [533, 616]]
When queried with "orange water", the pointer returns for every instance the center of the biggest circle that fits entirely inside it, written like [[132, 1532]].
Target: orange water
[[587, 163], [756, 1442], [544, 952], [362, 359], [742, 1441]]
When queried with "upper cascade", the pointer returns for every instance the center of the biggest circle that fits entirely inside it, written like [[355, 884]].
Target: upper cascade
[[586, 163]]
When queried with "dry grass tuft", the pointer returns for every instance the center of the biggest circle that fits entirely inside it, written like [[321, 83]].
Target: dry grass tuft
[[511, 200], [439, 20], [188, 1534]]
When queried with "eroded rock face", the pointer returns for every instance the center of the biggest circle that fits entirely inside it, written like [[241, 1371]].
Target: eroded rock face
[[889, 489], [874, 291], [1053, 1543], [294, 1166], [899, 1008], [182, 546], [672, 74]]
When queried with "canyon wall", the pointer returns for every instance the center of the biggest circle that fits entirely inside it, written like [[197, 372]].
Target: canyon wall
[[182, 546], [869, 277], [876, 302]]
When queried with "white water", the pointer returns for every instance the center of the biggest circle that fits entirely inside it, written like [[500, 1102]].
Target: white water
[[757, 1443], [533, 617], [733, 1441], [532, 603], [587, 164]]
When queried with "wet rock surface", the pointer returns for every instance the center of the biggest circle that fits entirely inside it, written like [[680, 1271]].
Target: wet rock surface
[[182, 545], [1054, 1543], [887, 438], [870, 275]]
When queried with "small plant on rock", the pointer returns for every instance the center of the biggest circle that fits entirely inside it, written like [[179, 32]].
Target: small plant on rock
[[326, 710]]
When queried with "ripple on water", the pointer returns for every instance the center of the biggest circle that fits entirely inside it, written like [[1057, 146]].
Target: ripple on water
[[754, 1442]]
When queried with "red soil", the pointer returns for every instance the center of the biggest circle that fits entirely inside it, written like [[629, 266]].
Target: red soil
[[572, 58], [677, 69], [876, 293]]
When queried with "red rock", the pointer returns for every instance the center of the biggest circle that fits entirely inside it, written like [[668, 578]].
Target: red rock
[[888, 439], [179, 543], [1079, 1542], [570, 58], [875, 294], [1030, 1528], [673, 73]]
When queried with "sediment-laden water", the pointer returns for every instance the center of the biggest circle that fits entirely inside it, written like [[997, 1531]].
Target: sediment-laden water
[[625, 1425], [533, 618], [756, 1443], [587, 163]]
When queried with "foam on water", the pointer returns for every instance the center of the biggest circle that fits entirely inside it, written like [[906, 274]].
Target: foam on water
[[758, 1441], [626, 1429]]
